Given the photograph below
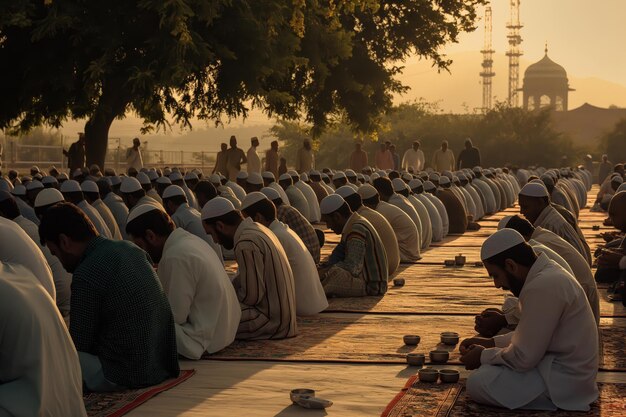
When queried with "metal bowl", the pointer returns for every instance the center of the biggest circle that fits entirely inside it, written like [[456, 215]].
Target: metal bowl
[[411, 340], [295, 394], [428, 375], [415, 359], [449, 375], [449, 338], [439, 356], [398, 282]]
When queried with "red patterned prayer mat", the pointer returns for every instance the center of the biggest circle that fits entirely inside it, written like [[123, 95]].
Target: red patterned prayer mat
[[116, 404], [418, 399]]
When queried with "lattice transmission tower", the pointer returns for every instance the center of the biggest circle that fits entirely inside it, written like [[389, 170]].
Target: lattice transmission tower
[[514, 26], [487, 73]]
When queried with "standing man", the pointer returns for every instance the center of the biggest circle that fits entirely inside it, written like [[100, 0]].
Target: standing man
[[133, 156], [254, 162], [234, 159], [443, 159], [394, 157], [358, 158], [470, 156], [271, 159], [413, 157], [306, 159], [383, 158], [76, 153], [221, 160], [605, 168]]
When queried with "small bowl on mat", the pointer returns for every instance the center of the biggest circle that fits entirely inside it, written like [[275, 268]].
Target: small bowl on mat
[[295, 394], [439, 356], [595, 227], [411, 340], [449, 338], [449, 262], [449, 375], [428, 375], [459, 260], [398, 282], [415, 359], [478, 264]]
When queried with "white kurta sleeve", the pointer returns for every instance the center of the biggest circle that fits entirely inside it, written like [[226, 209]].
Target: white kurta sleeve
[[531, 338], [179, 283]]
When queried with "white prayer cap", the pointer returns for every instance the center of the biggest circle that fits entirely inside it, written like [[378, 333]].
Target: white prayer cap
[[413, 184], [447, 174], [314, 172], [284, 177], [167, 172], [428, 185], [252, 198], [345, 191], [130, 185], [325, 176], [547, 179], [444, 180], [455, 179], [407, 177], [34, 168], [26, 178], [216, 207], [270, 193], [70, 186], [49, 179], [504, 222], [190, 176], [19, 190], [477, 169], [374, 176], [499, 242], [367, 191], [77, 173], [255, 178], [172, 191], [176, 169], [533, 189], [176, 176], [89, 186], [398, 184], [268, 175], [304, 177], [617, 178], [360, 177], [331, 203], [163, 180], [153, 175], [215, 179], [115, 180], [339, 175], [63, 176], [433, 177], [293, 173], [621, 188], [142, 209], [143, 179], [381, 173], [242, 175], [48, 196], [34, 185], [350, 173]]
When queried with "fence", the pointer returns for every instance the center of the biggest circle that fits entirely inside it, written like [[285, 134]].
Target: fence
[[22, 157]]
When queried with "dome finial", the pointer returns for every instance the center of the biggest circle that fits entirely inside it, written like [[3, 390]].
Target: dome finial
[[546, 48]]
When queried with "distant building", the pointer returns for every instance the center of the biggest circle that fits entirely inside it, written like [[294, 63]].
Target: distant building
[[586, 124], [546, 85]]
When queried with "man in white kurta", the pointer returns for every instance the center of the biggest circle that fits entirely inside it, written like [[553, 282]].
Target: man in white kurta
[[310, 296], [203, 301], [436, 224], [92, 195], [254, 162], [16, 247], [39, 368], [115, 204], [314, 206], [430, 190], [74, 194], [414, 158], [550, 361]]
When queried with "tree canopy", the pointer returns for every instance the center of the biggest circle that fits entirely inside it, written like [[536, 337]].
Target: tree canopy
[[213, 59], [614, 143]]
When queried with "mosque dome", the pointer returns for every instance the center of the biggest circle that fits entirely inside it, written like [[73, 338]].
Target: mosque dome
[[545, 69]]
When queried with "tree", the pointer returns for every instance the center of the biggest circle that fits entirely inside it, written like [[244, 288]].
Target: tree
[[173, 60], [614, 143]]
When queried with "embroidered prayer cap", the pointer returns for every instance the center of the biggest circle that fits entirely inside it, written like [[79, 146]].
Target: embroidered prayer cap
[[367, 191], [130, 185], [345, 191], [499, 242], [163, 180], [143, 178], [142, 209], [285, 177], [444, 180], [407, 177], [270, 193], [268, 175], [331, 203], [70, 186], [413, 184], [48, 196], [89, 186], [252, 198], [398, 184], [34, 185], [173, 191], [428, 185], [216, 207], [176, 176], [255, 178], [533, 189]]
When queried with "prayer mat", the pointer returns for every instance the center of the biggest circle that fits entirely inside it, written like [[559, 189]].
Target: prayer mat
[[116, 404], [419, 399], [373, 338]]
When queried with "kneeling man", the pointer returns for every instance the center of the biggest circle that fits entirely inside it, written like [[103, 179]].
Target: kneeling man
[[550, 361]]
